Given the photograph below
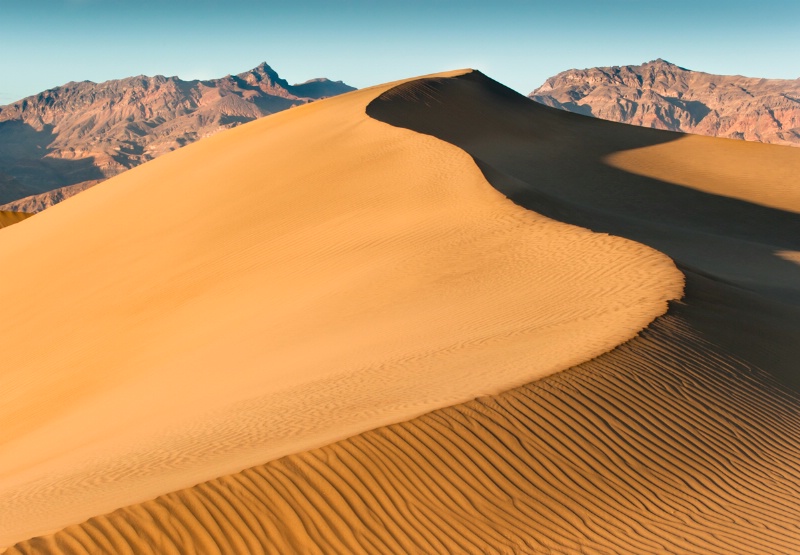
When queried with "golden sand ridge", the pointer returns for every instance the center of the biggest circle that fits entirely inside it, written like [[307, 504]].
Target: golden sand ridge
[[272, 289]]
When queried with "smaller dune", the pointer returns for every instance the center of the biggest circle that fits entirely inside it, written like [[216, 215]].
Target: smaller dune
[[8, 218], [754, 172]]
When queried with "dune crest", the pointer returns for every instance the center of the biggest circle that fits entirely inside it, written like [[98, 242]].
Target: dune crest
[[278, 287]]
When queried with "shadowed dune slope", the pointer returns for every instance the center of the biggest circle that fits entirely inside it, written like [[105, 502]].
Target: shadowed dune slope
[[734, 227], [682, 440], [275, 288], [8, 218]]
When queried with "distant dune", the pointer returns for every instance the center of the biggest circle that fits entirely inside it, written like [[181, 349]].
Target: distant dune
[[372, 274], [8, 218], [71, 137], [275, 288], [662, 95]]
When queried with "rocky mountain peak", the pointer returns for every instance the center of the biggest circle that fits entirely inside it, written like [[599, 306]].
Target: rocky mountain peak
[[663, 95], [83, 132], [263, 76]]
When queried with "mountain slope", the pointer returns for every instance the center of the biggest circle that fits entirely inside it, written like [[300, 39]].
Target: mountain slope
[[661, 95], [86, 132]]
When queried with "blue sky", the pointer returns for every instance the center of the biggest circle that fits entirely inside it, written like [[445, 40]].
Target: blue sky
[[45, 43]]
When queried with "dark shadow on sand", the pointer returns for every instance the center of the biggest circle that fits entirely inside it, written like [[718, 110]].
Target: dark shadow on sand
[[552, 162]]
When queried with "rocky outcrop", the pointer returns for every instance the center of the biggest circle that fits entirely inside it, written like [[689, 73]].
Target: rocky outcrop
[[82, 133], [662, 95]]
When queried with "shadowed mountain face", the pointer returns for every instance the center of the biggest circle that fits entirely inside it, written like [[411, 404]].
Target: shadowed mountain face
[[76, 135], [662, 95]]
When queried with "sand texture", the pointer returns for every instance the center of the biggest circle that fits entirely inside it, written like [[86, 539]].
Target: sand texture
[[64, 140], [665, 445], [272, 289], [684, 439]]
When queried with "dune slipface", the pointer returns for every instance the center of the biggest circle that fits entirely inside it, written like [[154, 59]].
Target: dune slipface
[[271, 289]]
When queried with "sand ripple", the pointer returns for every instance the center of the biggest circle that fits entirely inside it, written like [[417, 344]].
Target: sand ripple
[[665, 445]]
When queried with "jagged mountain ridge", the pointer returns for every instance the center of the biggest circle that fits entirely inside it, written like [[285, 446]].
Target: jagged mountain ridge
[[662, 95], [82, 132]]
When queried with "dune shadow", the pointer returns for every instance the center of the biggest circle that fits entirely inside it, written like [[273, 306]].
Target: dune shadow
[[23, 156], [552, 162]]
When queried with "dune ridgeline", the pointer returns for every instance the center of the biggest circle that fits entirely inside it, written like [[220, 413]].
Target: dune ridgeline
[[427, 317]]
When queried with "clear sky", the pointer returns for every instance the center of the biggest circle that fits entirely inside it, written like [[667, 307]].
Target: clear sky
[[45, 43]]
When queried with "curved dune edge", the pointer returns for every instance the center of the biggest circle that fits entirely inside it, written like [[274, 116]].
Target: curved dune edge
[[297, 280], [665, 445]]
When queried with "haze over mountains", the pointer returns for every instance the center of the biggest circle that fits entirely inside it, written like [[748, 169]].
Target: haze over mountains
[[662, 95], [64, 140]]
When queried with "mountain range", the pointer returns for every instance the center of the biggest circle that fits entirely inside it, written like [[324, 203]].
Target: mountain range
[[662, 95], [64, 140]]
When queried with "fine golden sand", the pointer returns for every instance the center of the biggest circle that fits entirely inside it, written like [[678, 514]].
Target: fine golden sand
[[275, 288], [683, 439], [665, 445]]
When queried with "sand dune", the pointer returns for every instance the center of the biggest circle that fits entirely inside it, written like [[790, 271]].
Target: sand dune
[[272, 289], [684, 439], [667, 444], [753, 172]]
